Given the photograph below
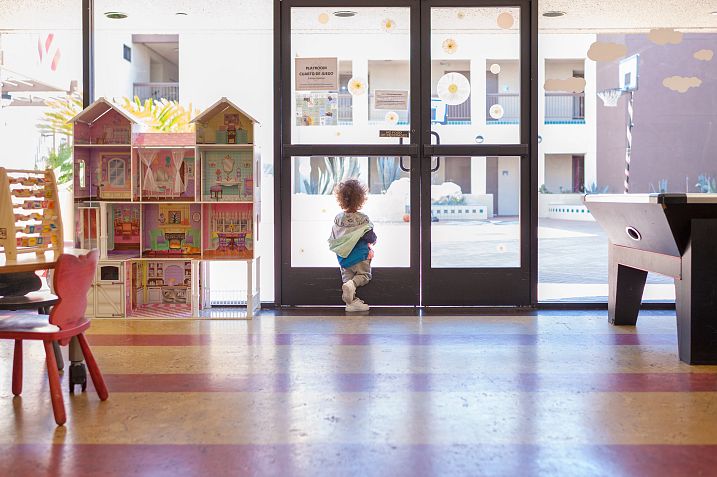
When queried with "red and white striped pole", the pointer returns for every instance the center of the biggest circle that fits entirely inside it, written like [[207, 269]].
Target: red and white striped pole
[[628, 148]]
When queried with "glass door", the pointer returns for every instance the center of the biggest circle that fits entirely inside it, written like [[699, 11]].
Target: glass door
[[475, 173], [429, 105], [349, 71]]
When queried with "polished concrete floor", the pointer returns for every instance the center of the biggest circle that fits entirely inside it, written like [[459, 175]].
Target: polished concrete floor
[[551, 393]]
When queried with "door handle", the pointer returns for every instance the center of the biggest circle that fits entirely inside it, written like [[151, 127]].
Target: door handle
[[438, 164], [438, 142], [400, 164]]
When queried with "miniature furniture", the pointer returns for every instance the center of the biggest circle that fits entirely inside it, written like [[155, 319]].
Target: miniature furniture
[[72, 278], [669, 234]]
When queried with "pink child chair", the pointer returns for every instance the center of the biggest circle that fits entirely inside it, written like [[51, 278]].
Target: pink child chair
[[72, 279]]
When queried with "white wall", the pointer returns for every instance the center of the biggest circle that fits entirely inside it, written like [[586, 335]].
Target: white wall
[[559, 172], [568, 138], [508, 186]]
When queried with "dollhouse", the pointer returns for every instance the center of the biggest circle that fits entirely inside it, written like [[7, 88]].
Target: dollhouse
[[102, 152], [161, 206]]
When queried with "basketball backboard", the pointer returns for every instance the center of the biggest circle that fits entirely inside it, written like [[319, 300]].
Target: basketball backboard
[[629, 73]]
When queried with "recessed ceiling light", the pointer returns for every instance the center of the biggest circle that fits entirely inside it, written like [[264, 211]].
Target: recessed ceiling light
[[553, 14], [714, 13], [115, 15], [344, 13], [183, 14]]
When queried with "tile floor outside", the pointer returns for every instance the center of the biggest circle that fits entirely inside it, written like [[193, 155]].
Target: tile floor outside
[[549, 393]]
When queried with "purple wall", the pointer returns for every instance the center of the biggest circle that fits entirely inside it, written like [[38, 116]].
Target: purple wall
[[674, 135]]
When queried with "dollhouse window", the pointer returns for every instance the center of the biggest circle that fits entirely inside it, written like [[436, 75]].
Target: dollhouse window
[[117, 172], [82, 173]]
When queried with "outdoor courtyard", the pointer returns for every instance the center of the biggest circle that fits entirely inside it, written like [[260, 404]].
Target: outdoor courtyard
[[572, 253]]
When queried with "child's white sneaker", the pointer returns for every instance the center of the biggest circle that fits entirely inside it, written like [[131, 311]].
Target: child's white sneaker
[[348, 292], [357, 305]]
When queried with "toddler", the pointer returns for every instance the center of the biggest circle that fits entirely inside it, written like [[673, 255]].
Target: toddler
[[351, 239]]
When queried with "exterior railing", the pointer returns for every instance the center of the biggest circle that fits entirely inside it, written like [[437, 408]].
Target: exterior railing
[[459, 112], [510, 103], [168, 91], [564, 106], [345, 108]]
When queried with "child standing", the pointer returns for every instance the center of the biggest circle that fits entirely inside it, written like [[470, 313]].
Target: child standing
[[351, 239]]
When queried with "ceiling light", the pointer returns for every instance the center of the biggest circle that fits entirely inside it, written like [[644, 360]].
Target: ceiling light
[[115, 15], [344, 13], [714, 13], [553, 14], [183, 14]]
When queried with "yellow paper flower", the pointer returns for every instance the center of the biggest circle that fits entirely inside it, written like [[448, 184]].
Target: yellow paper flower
[[496, 111], [391, 117], [453, 88], [324, 18], [357, 86], [389, 25], [450, 46]]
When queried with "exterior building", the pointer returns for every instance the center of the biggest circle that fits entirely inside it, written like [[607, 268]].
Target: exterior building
[[673, 134]]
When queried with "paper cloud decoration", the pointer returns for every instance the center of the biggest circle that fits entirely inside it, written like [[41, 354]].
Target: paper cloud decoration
[[681, 83], [704, 55], [453, 88], [664, 36], [569, 85], [606, 51]]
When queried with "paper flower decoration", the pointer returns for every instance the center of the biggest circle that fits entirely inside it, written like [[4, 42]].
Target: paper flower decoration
[[450, 46], [391, 117], [495, 68], [357, 86], [496, 111], [324, 18], [505, 20], [461, 15], [388, 25], [453, 88]]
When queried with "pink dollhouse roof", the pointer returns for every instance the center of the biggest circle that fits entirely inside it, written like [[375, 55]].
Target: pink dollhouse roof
[[220, 106], [97, 109]]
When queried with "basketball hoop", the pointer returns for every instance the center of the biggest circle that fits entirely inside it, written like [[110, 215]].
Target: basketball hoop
[[610, 97]]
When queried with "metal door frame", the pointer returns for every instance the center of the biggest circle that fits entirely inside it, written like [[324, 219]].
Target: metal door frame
[[419, 284], [320, 286], [485, 286]]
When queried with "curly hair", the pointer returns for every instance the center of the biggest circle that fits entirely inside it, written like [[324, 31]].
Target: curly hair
[[351, 195]]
